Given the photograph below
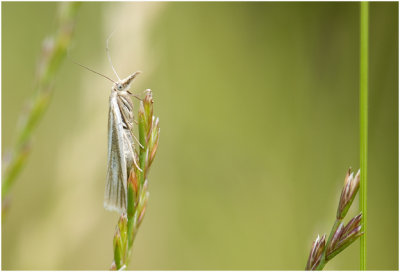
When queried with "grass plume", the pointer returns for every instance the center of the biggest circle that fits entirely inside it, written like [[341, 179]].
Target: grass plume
[[128, 224], [54, 51], [341, 235]]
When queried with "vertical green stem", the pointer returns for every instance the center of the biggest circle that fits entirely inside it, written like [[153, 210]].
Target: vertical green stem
[[142, 140], [54, 52], [363, 126]]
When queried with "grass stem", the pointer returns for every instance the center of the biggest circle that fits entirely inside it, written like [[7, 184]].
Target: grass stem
[[138, 194], [53, 53], [363, 126]]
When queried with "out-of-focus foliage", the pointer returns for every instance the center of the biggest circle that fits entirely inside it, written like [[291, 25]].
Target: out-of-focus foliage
[[259, 110]]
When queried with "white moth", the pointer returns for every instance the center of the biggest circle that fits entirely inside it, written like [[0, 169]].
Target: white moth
[[121, 154], [121, 150]]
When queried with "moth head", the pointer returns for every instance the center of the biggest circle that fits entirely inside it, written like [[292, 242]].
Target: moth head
[[125, 84], [118, 86]]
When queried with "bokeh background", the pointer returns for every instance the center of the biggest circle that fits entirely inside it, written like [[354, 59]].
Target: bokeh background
[[258, 104]]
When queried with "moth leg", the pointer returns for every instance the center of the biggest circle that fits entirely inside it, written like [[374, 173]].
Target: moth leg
[[129, 128], [127, 120], [126, 111], [134, 95], [137, 97], [136, 164], [136, 139], [129, 142]]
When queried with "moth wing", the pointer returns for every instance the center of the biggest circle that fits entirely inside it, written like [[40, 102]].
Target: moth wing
[[116, 187]]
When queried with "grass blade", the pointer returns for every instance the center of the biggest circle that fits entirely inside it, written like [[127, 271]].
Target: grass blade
[[363, 126]]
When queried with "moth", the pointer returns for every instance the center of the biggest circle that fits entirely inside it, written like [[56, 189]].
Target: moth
[[121, 147], [121, 153]]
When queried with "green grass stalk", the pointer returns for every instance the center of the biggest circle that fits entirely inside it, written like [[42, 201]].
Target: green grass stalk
[[363, 126], [53, 53], [128, 225]]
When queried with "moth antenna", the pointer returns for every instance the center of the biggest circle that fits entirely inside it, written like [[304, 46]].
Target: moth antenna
[[109, 57], [83, 66]]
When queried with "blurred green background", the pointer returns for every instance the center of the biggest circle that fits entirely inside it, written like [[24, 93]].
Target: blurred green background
[[258, 106]]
